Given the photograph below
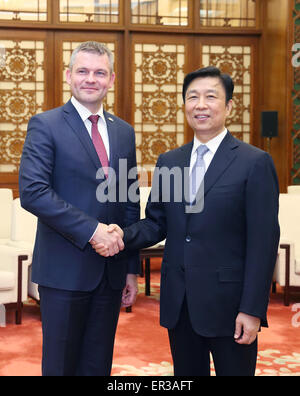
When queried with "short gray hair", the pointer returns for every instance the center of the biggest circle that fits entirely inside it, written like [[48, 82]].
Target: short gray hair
[[93, 47]]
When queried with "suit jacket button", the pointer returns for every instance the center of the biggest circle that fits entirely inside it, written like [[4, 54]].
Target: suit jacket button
[[188, 239]]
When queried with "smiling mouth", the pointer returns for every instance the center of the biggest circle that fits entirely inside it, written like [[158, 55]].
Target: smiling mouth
[[201, 117]]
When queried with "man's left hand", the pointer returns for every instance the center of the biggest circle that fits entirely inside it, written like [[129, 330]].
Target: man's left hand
[[246, 328], [130, 291]]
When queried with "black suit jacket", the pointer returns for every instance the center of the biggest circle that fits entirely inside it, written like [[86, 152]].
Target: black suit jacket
[[222, 258]]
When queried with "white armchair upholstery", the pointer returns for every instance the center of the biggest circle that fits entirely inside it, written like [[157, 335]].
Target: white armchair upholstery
[[23, 230], [287, 271], [6, 200], [13, 279], [144, 196], [293, 190]]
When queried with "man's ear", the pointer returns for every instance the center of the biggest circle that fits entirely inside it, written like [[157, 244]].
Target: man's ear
[[68, 76], [229, 106]]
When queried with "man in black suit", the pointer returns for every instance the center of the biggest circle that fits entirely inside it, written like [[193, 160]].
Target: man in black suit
[[220, 252], [65, 161]]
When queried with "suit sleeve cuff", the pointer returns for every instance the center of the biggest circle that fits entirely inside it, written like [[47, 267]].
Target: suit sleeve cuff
[[94, 233]]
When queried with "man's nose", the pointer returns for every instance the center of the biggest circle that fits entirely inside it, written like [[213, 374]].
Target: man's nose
[[91, 77], [201, 103]]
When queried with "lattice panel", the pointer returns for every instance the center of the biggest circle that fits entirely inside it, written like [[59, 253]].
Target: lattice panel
[[235, 61], [21, 96], [296, 100], [160, 12], [89, 11], [159, 115], [67, 48], [224, 13], [33, 10]]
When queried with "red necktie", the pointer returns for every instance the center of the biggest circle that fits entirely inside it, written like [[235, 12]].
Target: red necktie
[[98, 143]]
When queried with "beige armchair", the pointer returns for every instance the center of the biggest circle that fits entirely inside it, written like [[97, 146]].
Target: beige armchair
[[144, 196], [287, 271], [13, 279], [23, 230], [293, 190], [6, 200]]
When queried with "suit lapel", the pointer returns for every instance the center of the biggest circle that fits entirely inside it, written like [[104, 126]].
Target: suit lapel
[[113, 146], [184, 158], [183, 162], [73, 119], [113, 141], [222, 159]]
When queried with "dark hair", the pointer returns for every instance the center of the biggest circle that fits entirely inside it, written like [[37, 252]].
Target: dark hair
[[210, 71]]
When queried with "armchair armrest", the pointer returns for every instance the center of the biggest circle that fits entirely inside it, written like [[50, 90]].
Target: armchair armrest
[[16, 261]]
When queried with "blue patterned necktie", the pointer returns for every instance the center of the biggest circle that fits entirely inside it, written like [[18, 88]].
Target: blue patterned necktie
[[198, 172]]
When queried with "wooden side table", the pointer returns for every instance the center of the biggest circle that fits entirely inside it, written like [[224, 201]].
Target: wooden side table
[[147, 254]]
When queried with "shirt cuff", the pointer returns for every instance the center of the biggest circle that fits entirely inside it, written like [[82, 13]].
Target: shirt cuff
[[94, 233]]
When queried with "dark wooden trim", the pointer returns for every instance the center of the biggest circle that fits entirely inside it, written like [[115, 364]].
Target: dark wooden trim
[[288, 288], [18, 306], [147, 254]]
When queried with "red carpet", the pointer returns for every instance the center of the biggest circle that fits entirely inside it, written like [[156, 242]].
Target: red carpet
[[142, 345]]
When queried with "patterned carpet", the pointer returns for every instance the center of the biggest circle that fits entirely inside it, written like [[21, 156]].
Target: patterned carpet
[[141, 347]]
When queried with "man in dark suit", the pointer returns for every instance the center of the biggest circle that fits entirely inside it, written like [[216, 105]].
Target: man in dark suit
[[221, 243], [68, 153]]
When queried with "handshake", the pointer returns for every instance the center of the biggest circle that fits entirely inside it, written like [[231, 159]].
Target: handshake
[[108, 240]]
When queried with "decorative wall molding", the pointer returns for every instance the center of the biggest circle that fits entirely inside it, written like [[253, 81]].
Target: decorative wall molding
[[296, 99], [21, 96]]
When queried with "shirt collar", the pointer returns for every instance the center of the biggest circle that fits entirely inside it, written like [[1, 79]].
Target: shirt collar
[[212, 144], [84, 112]]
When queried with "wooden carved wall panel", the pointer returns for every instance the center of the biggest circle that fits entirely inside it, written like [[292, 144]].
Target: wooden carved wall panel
[[33, 10], [237, 62], [158, 106], [296, 101], [224, 13], [89, 11], [160, 12], [67, 49], [21, 96]]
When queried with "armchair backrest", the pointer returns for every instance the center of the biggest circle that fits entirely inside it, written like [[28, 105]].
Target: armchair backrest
[[289, 219], [293, 190], [144, 195], [6, 200], [23, 227]]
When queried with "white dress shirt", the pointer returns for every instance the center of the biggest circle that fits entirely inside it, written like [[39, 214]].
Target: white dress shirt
[[212, 146], [102, 127]]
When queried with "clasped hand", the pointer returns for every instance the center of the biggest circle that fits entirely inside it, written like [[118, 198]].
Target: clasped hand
[[108, 240]]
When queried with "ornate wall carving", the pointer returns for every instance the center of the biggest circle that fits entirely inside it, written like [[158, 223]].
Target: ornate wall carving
[[159, 114], [21, 96], [158, 109], [296, 101]]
